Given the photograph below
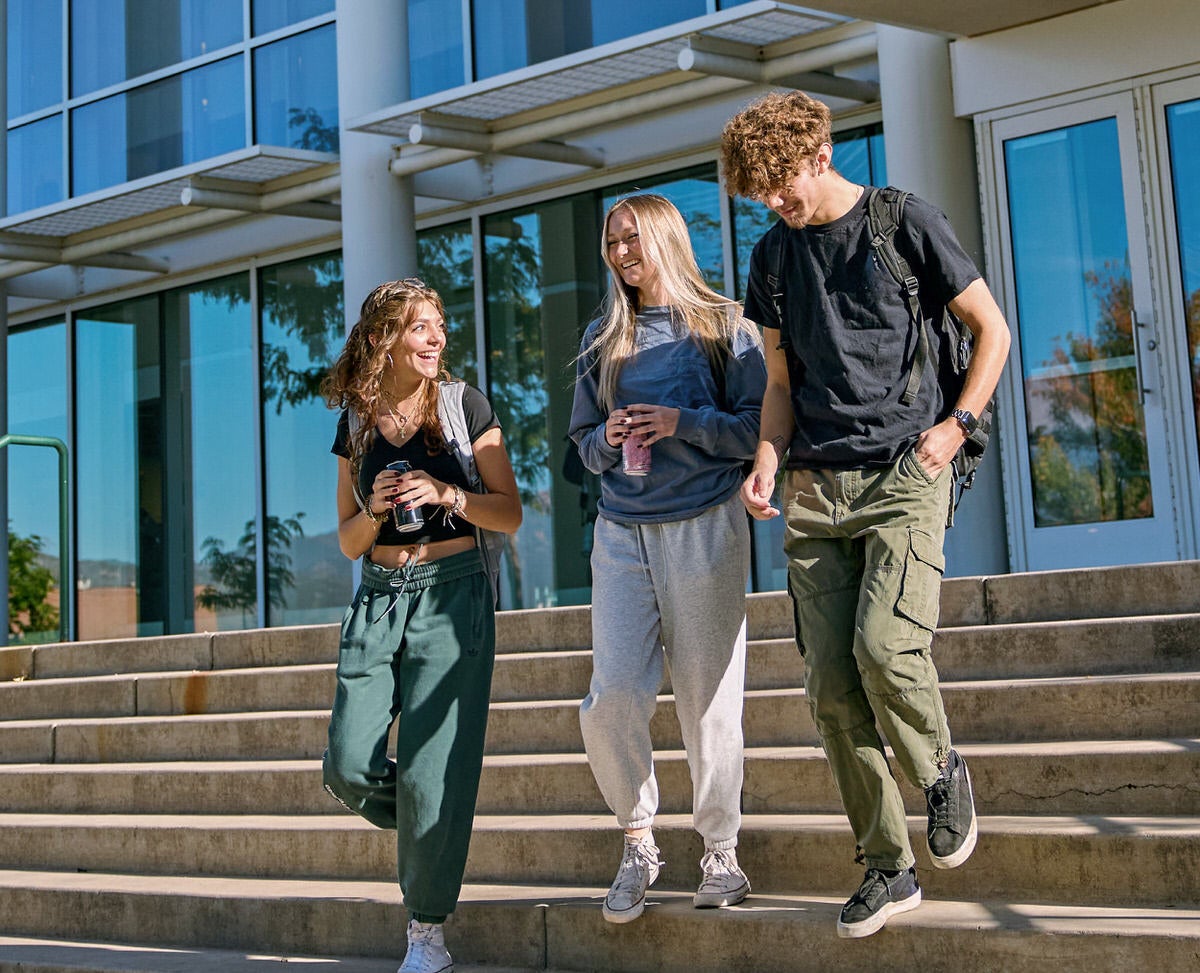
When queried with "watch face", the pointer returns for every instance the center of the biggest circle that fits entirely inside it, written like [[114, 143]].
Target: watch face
[[968, 420]]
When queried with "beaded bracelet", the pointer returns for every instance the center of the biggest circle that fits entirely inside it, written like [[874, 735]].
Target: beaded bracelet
[[455, 507]]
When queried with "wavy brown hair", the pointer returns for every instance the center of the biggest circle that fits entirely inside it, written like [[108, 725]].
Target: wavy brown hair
[[770, 141], [355, 382]]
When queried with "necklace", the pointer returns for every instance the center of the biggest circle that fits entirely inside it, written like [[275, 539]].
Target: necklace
[[401, 418]]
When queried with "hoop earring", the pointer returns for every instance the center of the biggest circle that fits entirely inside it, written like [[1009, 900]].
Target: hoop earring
[[391, 364]]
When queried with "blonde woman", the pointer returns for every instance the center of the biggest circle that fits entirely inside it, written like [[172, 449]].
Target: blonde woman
[[669, 366], [418, 640]]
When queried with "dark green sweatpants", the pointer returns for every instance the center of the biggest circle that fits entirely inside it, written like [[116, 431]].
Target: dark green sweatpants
[[421, 656], [865, 567]]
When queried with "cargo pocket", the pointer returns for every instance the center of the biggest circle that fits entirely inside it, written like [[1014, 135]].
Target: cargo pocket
[[921, 584]]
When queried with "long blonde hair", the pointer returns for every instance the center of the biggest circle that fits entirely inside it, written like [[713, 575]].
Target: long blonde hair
[[712, 319], [355, 382]]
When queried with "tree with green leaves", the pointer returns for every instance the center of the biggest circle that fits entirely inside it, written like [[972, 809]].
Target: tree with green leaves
[[29, 585], [234, 572]]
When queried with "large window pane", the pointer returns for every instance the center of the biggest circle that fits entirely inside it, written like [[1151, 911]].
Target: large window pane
[[542, 287], [35, 171], [210, 334], [159, 126], [116, 40], [435, 50], [1183, 131], [34, 53], [1086, 433], [120, 509], [446, 256], [510, 34], [303, 329], [37, 406], [295, 92], [269, 15]]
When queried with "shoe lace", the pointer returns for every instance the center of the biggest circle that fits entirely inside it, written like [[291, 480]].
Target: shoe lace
[[635, 863], [873, 882], [716, 867], [938, 798]]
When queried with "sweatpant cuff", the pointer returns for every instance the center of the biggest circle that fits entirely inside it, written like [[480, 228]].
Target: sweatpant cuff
[[426, 917], [637, 825], [725, 845]]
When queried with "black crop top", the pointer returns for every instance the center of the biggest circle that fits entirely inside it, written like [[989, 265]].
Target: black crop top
[[441, 466]]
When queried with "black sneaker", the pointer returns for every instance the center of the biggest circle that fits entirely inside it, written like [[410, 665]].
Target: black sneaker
[[952, 825], [878, 898]]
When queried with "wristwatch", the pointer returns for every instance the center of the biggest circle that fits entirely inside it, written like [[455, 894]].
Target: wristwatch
[[965, 419]]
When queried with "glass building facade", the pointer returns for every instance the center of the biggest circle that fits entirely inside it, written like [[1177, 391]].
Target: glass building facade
[[203, 494]]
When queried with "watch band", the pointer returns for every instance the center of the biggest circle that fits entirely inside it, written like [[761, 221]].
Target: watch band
[[965, 419]]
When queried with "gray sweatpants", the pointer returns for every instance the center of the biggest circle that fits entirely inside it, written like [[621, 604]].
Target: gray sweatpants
[[676, 590]]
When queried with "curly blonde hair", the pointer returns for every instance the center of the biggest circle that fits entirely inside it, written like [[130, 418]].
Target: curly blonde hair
[[771, 140], [355, 381]]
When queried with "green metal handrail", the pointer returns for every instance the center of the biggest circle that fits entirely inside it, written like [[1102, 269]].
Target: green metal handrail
[[64, 596]]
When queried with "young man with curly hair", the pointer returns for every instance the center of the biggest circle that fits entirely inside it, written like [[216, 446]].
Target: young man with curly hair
[[867, 483]]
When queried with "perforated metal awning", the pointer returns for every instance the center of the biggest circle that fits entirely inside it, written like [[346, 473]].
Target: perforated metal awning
[[753, 34], [258, 170]]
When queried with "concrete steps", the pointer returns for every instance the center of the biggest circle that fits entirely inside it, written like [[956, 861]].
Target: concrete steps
[[166, 792], [562, 925]]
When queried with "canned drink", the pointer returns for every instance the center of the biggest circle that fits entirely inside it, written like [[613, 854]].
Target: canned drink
[[635, 457], [405, 520]]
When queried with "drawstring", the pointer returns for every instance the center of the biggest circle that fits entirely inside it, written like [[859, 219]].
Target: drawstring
[[400, 584]]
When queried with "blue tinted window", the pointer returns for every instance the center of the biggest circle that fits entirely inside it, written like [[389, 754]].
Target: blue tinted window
[[435, 45], [214, 335], [118, 462], [510, 34], [295, 92], [1086, 428], [34, 55], [1183, 128], [116, 40], [159, 126], [35, 171], [614, 19], [303, 330], [446, 259], [269, 15], [37, 406]]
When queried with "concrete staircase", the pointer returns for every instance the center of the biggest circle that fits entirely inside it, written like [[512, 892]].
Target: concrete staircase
[[161, 804]]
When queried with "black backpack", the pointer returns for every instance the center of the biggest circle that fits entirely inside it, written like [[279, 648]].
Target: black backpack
[[954, 341]]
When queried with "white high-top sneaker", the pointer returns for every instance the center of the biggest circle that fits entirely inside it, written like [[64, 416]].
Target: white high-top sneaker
[[426, 949]]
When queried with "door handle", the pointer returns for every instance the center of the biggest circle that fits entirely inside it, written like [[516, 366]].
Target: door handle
[[1139, 376]]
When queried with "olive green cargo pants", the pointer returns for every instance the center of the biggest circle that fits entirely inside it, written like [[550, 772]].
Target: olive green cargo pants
[[865, 565]]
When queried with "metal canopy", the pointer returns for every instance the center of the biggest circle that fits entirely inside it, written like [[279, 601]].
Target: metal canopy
[[86, 228], [757, 32]]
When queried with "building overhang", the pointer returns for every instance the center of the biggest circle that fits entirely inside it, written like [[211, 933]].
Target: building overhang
[[589, 110], [953, 17], [104, 228]]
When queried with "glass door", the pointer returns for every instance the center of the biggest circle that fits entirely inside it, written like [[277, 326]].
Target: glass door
[[1092, 455], [1176, 112]]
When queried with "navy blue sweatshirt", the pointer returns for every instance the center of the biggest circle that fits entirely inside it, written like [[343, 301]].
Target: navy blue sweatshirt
[[701, 465]]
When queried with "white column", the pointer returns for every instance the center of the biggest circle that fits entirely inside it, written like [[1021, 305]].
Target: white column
[[932, 153], [379, 238]]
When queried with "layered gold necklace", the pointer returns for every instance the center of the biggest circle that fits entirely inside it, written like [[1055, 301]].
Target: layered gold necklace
[[401, 418]]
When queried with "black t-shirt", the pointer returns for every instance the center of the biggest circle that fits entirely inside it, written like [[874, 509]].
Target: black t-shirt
[[441, 466], [850, 334]]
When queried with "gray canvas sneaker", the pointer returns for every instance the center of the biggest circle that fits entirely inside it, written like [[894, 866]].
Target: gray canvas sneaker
[[723, 882], [637, 872], [877, 899]]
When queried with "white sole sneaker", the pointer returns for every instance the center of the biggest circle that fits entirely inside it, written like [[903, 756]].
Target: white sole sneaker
[[717, 900], [867, 927]]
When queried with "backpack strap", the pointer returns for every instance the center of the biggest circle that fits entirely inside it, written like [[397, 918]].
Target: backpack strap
[[458, 440], [774, 241], [885, 210]]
